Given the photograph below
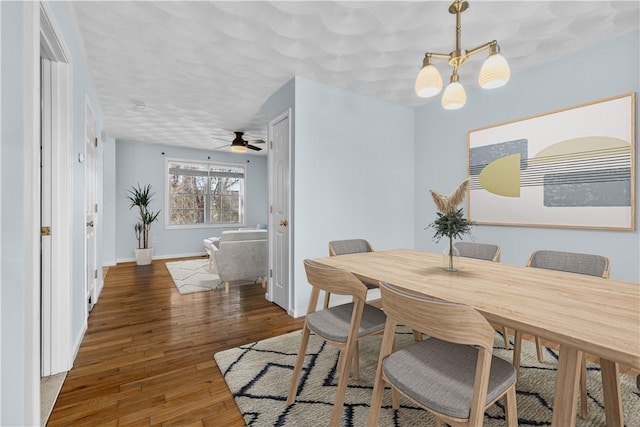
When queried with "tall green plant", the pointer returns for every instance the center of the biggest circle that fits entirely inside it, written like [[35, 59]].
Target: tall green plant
[[141, 198]]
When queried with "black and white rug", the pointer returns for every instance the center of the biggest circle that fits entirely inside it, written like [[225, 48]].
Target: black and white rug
[[258, 375]]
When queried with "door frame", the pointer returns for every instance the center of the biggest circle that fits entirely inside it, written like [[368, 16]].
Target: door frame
[[61, 206], [271, 179], [91, 155]]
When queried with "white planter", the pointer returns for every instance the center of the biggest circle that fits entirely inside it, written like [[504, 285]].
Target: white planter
[[143, 256]]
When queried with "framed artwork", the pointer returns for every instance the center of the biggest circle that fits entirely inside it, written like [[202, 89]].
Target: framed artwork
[[572, 168]]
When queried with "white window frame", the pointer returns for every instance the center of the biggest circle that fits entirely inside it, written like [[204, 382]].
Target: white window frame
[[243, 208]]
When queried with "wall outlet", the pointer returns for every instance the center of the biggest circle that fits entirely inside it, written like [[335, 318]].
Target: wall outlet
[[154, 239]]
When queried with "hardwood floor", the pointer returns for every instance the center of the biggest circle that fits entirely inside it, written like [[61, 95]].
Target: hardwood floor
[[147, 356]]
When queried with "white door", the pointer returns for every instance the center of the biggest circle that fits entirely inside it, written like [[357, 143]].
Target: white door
[[279, 208], [45, 215], [91, 207], [54, 160]]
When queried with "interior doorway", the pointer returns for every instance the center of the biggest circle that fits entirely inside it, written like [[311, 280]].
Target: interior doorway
[[280, 213], [91, 206], [55, 165]]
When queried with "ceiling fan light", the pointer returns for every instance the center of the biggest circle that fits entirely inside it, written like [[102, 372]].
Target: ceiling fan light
[[495, 72], [238, 148], [454, 96], [428, 82]]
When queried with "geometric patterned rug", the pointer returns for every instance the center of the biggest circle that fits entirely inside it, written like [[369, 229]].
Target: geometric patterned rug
[[258, 376], [193, 276]]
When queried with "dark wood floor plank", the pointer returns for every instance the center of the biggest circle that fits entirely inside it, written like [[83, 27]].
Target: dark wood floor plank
[[147, 356]]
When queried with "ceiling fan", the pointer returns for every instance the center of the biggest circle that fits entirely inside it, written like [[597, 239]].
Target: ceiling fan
[[240, 145]]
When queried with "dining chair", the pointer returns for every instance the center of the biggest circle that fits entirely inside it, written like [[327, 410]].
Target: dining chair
[[342, 326], [487, 252], [344, 247], [572, 262], [453, 374]]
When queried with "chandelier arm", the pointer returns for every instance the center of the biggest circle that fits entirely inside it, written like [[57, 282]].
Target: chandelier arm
[[481, 47], [438, 55]]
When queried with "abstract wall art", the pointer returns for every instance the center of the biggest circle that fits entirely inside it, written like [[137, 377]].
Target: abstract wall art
[[571, 168]]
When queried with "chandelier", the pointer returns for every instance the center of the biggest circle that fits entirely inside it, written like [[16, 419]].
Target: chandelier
[[494, 73]]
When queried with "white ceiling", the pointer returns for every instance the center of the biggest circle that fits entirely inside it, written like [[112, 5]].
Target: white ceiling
[[204, 69]]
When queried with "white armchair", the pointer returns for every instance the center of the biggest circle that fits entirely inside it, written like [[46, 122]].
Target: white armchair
[[232, 236], [239, 257]]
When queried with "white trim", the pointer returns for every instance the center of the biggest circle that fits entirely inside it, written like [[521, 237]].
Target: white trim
[[187, 255], [90, 190], [78, 340], [61, 220], [1, 258], [167, 201], [31, 211]]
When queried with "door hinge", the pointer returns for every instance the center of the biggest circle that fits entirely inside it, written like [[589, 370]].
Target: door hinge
[[95, 273], [45, 231], [270, 273], [96, 208], [270, 209], [95, 142], [271, 145]]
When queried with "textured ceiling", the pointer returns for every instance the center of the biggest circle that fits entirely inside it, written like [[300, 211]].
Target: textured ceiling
[[205, 69]]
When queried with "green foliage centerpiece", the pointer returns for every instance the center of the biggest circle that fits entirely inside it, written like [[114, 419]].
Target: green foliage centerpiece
[[450, 222]]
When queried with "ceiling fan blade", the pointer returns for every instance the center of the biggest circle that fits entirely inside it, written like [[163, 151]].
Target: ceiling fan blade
[[253, 147], [256, 141], [221, 139]]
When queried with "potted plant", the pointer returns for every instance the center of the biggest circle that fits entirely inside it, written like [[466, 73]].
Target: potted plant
[[450, 223], [140, 198]]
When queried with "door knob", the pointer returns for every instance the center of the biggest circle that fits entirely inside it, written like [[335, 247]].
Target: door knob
[[284, 223], [90, 223]]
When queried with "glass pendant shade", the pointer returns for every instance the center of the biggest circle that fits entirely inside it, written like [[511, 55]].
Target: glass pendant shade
[[454, 96], [428, 82], [495, 72]]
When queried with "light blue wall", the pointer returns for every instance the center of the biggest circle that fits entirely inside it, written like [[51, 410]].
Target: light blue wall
[[12, 313], [145, 164], [354, 174], [15, 380], [441, 148], [109, 203]]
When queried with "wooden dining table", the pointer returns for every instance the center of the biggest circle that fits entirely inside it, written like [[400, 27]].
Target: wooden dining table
[[583, 314]]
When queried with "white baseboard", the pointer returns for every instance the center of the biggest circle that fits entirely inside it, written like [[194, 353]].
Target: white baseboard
[[119, 260], [78, 342]]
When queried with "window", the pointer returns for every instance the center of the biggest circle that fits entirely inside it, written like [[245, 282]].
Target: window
[[203, 193]]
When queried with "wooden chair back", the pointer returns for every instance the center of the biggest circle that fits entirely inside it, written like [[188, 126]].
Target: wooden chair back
[[445, 320], [332, 281]]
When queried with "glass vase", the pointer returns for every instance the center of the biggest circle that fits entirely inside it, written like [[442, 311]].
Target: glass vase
[[450, 258]]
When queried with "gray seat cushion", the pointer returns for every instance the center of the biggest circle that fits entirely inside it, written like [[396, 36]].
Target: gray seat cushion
[[440, 375], [334, 323]]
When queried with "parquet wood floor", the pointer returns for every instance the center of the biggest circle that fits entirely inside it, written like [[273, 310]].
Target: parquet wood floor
[[147, 356]]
